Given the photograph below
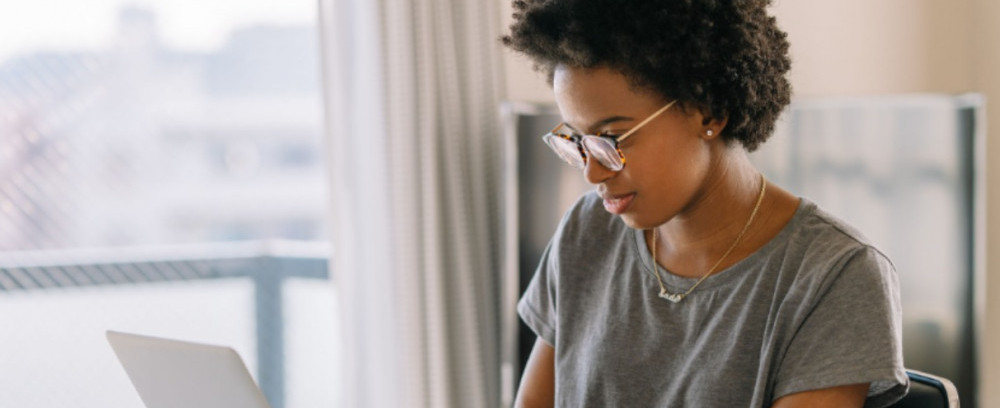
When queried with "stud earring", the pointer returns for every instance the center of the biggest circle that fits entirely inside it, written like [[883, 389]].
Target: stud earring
[[709, 132]]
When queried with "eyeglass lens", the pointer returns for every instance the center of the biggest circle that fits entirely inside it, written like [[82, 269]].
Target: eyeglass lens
[[566, 149], [604, 150], [600, 148]]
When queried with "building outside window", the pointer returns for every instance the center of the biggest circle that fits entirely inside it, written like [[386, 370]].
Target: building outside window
[[155, 158]]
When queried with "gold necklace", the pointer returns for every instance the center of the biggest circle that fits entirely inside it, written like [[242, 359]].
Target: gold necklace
[[677, 297]]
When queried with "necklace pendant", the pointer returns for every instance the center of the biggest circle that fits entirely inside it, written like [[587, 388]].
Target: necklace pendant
[[673, 297]]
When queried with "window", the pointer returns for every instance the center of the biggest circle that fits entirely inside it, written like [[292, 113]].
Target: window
[[160, 163]]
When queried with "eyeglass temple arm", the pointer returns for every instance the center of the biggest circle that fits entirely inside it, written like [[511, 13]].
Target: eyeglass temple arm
[[643, 123]]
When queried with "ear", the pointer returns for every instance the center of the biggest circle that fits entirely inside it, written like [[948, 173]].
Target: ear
[[712, 127]]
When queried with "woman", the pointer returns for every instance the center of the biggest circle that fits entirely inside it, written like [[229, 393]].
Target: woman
[[686, 279]]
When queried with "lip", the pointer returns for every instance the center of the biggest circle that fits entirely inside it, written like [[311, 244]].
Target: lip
[[617, 204]]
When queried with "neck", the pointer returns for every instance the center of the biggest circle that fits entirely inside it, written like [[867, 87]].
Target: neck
[[695, 239]]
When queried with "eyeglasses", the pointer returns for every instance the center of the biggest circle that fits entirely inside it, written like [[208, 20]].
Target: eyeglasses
[[575, 149]]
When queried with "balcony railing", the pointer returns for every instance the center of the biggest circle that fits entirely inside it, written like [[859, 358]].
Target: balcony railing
[[266, 264]]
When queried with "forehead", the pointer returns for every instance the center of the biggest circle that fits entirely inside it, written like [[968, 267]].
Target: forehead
[[588, 95]]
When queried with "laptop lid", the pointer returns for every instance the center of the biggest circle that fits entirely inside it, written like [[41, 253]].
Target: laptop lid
[[171, 373]]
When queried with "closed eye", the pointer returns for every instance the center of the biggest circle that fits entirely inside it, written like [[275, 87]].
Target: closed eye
[[609, 135]]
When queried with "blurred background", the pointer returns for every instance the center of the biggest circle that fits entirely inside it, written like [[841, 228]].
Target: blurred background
[[161, 172], [164, 169]]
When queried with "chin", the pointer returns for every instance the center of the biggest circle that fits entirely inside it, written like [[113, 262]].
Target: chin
[[632, 222], [639, 222]]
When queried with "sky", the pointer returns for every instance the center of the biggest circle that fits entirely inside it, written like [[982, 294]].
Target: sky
[[184, 24]]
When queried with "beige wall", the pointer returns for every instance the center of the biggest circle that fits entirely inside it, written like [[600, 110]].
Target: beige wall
[[858, 47], [522, 82], [851, 47], [985, 63]]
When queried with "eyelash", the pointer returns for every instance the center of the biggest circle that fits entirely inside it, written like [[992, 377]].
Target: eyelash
[[602, 134], [613, 136]]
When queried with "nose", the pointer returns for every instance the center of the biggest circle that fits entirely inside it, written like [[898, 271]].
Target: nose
[[596, 173]]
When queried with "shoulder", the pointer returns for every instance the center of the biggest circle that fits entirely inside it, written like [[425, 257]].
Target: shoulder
[[840, 312], [825, 249], [818, 233]]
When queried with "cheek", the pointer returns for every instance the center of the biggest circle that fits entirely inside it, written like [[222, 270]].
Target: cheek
[[678, 164], [670, 178]]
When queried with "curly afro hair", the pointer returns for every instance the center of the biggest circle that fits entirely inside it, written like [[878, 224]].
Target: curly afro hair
[[726, 57]]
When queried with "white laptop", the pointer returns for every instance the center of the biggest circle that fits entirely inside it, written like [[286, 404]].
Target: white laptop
[[171, 373]]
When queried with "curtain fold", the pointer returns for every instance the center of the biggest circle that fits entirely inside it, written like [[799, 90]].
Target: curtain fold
[[412, 97]]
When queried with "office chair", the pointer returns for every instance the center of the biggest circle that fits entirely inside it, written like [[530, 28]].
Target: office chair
[[928, 391]]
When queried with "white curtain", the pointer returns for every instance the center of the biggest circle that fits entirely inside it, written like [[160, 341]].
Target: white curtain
[[412, 93]]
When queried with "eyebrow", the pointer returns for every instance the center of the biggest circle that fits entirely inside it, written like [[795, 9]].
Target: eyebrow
[[602, 122]]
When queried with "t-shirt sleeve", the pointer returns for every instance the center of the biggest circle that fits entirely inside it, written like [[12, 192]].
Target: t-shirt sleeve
[[537, 306], [852, 335]]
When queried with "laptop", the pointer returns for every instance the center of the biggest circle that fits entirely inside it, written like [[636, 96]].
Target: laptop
[[172, 373]]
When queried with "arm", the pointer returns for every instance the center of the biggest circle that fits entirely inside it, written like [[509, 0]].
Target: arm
[[537, 387], [843, 396]]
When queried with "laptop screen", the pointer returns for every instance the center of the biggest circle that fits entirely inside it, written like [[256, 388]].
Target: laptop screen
[[170, 373]]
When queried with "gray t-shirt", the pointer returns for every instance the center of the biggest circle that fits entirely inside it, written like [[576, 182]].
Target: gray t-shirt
[[816, 307]]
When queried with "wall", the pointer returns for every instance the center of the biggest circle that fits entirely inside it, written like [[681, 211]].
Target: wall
[[852, 47], [522, 82], [858, 47], [985, 27]]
